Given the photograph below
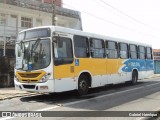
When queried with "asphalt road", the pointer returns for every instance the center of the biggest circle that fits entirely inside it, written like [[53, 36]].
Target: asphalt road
[[144, 96]]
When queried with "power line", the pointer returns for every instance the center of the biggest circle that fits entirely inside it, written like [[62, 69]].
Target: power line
[[113, 22], [124, 27], [101, 18], [128, 19], [122, 12], [109, 9], [126, 15]]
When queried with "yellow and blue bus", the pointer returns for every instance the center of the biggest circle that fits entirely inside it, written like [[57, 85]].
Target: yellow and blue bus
[[56, 59]]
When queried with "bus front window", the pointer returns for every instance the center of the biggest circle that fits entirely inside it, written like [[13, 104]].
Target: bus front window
[[33, 55]]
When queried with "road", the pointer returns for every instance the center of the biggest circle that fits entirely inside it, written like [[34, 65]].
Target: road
[[144, 96]]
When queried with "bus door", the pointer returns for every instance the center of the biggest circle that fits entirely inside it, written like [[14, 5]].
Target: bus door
[[63, 64]]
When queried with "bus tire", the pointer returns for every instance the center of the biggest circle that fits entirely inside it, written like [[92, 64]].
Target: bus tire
[[83, 85], [134, 77]]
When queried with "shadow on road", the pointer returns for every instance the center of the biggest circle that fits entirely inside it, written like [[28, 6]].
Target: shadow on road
[[100, 103]]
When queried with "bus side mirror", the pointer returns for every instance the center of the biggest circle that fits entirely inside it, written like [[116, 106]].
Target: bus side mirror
[[54, 39], [22, 46], [58, 41]]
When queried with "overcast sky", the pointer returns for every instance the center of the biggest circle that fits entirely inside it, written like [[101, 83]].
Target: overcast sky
[[136, 20]]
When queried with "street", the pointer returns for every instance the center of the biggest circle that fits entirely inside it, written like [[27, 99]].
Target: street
[[144, 96]]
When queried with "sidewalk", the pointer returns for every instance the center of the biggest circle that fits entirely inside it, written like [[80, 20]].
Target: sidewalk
[[155, 75], [8, 93]]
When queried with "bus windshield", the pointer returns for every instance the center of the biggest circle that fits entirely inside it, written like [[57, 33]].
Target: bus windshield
[[33, 55]]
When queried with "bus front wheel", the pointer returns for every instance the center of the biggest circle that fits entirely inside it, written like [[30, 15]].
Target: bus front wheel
[[83, 85]]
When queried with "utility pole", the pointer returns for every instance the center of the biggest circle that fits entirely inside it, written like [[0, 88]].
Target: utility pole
[[53, 12], [4, 47], [4, 40]]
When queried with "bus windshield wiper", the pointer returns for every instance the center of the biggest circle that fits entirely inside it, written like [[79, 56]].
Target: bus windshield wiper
[[35, 45]]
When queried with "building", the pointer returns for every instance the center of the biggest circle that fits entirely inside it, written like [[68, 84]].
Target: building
[[16, 15], [156, 55], [57, 2]]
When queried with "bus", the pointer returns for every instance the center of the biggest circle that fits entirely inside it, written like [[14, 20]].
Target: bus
[[56, 59]]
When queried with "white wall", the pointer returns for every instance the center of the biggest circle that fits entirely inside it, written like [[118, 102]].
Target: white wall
[[13, 26]]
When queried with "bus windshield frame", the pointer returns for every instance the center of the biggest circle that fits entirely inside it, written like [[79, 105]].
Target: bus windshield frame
[[33, 49], [34, 33]]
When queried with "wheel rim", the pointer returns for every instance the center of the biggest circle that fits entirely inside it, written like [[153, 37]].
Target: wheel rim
[[83, 85]]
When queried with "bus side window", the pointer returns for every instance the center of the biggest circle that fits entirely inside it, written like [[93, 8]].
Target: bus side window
[[97, 48], [63, 53], [133, 51], [141, 52], [149, 53], [111, 49], [81, 46], [123, 50]]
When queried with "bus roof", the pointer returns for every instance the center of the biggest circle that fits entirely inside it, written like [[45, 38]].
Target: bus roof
[[87, 34]]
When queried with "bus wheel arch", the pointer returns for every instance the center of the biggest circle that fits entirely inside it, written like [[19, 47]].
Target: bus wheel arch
[[134, 76], [84, 82]]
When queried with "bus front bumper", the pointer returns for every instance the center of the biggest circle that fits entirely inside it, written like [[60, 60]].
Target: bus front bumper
[[35, 87]]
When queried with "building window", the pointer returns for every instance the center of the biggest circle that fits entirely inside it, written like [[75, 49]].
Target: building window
[[97, 48], [133, 52], [3, 20], [26, 22], [111, 49], [81, 46]]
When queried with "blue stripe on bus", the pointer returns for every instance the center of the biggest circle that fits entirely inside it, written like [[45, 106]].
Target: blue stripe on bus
[[140, 65]]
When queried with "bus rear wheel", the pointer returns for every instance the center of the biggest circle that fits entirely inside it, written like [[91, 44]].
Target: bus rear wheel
[[83, 85], [134, 77]]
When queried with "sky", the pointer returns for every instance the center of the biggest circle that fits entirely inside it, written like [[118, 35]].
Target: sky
[[135, 20]]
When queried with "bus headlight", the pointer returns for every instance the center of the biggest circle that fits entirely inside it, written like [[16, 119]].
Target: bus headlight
[[45, 77]]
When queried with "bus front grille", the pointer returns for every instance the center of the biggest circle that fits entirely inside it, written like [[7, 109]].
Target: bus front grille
[[29, 81], [29, 86]]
